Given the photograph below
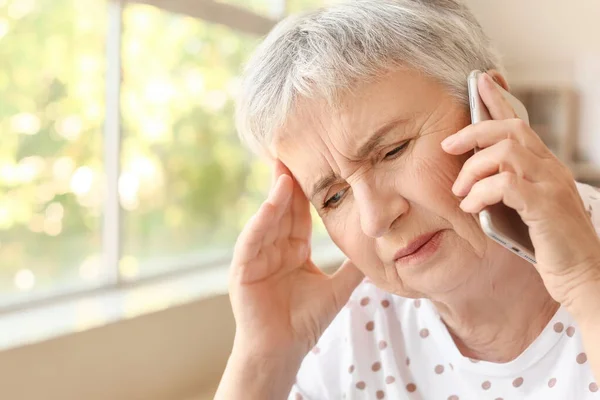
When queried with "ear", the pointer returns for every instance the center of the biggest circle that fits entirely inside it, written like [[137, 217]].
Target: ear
[[499, 78]]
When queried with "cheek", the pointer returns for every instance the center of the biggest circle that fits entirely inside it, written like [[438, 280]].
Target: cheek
[[431, 176], [345, 230], [441, 173]]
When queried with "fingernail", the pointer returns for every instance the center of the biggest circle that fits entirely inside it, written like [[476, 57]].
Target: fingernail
[[489, 79], [455, 188]]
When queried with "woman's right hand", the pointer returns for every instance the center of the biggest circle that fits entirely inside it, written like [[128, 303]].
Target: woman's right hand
[[281, 300]]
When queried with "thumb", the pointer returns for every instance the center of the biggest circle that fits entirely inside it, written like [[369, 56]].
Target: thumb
[[345, 280]]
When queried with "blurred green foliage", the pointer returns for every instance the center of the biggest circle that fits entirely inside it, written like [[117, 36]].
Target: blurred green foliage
[[187, 186], [51, 115]]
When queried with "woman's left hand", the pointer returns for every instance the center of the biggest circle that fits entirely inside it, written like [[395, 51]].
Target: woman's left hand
[[515, 167]]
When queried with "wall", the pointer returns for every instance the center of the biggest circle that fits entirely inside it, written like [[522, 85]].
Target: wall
[[173, 354], [551, 42]]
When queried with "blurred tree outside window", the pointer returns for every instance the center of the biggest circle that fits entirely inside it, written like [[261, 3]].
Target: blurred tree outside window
[[186, 184], [51, 115]]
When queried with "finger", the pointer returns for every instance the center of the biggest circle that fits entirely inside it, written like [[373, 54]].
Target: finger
[[491, 95], [505, 187], [277, 170], [344, 281], [487, 133], [282, 214], [299, 223], [507, 155], [301, 218], [265, 221]]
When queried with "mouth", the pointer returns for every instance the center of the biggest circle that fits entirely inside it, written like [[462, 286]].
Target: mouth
[[421, 248]]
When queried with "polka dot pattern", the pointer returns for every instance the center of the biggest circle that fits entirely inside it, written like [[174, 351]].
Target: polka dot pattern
[[558, 327], [517, 382], [438, 379]]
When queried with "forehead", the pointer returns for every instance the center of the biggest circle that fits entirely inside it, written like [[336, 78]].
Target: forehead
[[318, 139]]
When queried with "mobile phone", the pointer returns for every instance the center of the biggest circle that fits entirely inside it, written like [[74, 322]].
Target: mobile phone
[[500, 222]]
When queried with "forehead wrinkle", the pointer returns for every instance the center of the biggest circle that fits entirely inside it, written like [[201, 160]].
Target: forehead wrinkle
[[319, 154]]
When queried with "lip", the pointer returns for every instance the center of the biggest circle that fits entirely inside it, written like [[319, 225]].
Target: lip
[[418, 245]]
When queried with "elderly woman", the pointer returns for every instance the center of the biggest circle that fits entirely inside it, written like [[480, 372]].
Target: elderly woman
[[363, 108]]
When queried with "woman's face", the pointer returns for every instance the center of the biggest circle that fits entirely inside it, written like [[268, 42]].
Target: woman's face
[[375, 171]]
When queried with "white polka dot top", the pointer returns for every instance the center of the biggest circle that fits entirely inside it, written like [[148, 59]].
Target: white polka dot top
[[382, 346]]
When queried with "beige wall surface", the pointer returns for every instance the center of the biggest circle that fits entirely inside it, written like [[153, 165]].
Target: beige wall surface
[[169, 355]]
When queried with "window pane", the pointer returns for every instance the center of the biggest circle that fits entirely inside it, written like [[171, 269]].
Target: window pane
[[187, 185], [51, 114]]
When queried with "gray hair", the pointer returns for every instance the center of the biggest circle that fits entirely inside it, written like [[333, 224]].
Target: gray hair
[[324, 53]]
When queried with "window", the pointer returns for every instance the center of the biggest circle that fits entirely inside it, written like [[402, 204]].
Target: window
[[185, 184], [119, 158], [51, 116]]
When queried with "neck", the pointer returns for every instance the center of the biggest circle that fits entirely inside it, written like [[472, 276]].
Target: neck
[[499, 311]]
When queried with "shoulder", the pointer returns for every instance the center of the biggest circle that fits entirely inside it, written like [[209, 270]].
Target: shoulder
[[352, 341]]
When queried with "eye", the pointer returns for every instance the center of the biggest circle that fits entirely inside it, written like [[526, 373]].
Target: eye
[[392, 154], [334, 200]]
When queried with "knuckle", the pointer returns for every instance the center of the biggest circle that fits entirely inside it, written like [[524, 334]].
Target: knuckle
[[508, 180], [519, 124], [478, 187], [468, 165], [508, 148]]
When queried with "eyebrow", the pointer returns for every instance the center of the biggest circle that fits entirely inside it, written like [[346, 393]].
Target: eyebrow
[[363, 151], [377, 136]]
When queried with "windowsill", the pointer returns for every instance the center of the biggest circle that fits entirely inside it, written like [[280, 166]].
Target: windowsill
[[98, 309]]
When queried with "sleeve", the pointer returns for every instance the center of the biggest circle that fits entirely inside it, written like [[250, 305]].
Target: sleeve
[[591, 199], [319, 377]]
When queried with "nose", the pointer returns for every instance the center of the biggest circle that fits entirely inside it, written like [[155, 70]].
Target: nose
[[379, 207]]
